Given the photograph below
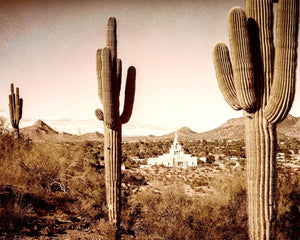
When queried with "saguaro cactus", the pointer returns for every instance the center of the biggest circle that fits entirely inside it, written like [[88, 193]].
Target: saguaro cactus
[[15, 109], [261, 81], [109, 72]]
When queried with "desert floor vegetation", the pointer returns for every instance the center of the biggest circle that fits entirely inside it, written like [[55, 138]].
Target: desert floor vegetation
[[57, 190], [47, 188], [211, 205]]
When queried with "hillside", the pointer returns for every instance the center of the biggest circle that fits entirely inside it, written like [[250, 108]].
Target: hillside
[[290, 127], [232, 129]]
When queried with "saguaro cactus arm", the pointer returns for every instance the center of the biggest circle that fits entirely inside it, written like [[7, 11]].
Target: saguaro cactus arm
[[12, 110], [98, 72], [283, 87], [237, 82], [99, 114], [241, 58], [129, 95], [19, 106], [119, 74], [224, 75]]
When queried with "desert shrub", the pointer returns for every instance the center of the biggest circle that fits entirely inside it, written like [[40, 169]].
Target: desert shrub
[[210, 158], [131, 163], [83, 174], [25, 212], [167, 212], [69, 177], [198, 182], [288, 217], [170, 214], [13, 153]]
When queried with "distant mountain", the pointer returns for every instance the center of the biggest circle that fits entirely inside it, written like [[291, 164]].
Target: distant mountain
[[91, 136], [232, 129], [235, 129], [185, 131], [290, 127], [182, 133], [42, 128], [40, 131]]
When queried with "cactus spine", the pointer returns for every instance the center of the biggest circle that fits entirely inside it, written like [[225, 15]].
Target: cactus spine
[[109, 69], [261, 81], [15, 109]]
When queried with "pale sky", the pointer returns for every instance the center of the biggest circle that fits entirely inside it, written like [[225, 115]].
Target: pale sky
[[48, 47]]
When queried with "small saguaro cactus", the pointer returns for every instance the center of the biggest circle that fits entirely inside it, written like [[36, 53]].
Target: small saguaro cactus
[[261, 81], [15, 109], [109, 74]]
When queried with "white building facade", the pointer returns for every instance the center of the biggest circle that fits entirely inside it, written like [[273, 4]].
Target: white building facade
[[175, 157]]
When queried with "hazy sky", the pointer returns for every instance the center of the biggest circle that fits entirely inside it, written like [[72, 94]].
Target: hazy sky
[[48, 47]]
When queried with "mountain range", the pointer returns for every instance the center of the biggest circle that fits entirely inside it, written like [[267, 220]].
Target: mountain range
[[235, 129], [40, 131], [232, 129]]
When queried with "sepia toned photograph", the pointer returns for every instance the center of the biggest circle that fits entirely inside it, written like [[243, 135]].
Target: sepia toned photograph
[[149, 119]]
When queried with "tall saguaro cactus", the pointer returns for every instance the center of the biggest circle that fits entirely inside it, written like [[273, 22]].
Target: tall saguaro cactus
[[109, 74], [15, 109], [261, 81]]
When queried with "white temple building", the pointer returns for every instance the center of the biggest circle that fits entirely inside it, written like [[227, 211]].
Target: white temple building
[[175, 157]]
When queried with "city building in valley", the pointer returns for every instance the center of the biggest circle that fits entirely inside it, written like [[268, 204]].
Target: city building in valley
[[175, 158]]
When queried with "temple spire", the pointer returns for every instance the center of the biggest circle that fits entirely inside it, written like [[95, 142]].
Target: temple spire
[[175, 139]]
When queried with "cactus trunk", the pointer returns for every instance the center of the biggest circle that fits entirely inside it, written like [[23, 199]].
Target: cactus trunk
[[16, 132], [261, 81], [112, 156], [261, 176]]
